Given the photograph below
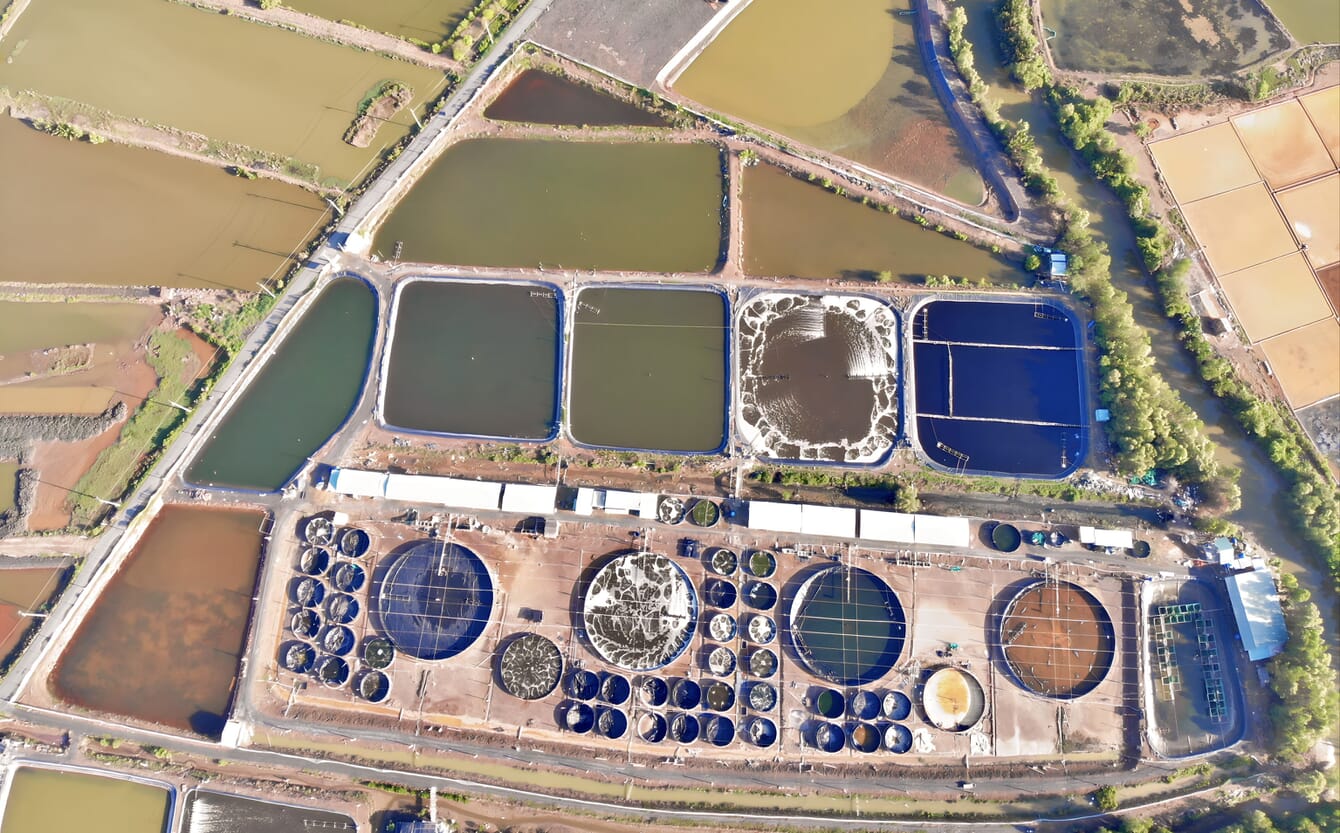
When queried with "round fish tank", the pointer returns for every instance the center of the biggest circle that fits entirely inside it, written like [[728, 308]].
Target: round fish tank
[[373, 686], [341, 608], [652, 727], [1006, 537], [718, 730], [829, 737], [721, 661], [761, 732], [378, 653], [615, 689], [314, 561], [847, 625], [721, 627], [718, 696], [530, 667], [762, 697], [762, 629], [299, 657], [897, 705], [685, 694], [863, 705], [306, 623], [435, 601], [309, 592], [683, 728], [762, 563], [354, 543], [953, 700], [864, 737], [611, 723], [723, 562], [337, 640], [639, 611], [333, 672], [704, 513], [579, 718], [720, 593], [583, 685], [1057, 639], [830, 703], [759, 596], [897, 738], [763, 662], [319, 531], [653, 691], [348, 577], [670, 509]]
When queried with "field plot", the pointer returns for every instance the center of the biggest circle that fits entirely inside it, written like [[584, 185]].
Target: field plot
[[426, 20], [1307, 362], [213, 74], [1204, 163], [1313, 211], [1276, 296], [23, 590], [1239, 228], [1283, 144], [539, 97], [1330, 284], [1323, 107]]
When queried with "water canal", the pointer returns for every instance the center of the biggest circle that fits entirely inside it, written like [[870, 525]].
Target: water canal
[[539, 97], [163, 641], [868, 100], [211, 812], [648, 369], [303, 393], [571, 205], [474, 358], [38, 798]]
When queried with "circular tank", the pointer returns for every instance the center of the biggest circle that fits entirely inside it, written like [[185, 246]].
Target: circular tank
[[761, 563], [299, 657], [863, 705], [1057, 639], [718, 696], [830, 703], [309, 592], [378, 652], [337, 640], [670, 510], [319, 531], [723, 562], [639, 611], [897, 738], [348, 577], [435, 600], [829, 737], [306, 623], [354, 542], [761, 732], [720, 593], [685, 694], [1006, 537], [332, 671], [897, 706], [582, 685], [615, 689], [762, 697], [863, 737], [651, 727], [579, 718], [611, 723], [953, 700], [823, 619], [704, 513], [683, 728], [718, 730], [759, 596], [530, 667], [721, 627], [373, 686], [653, 691], [762, 628], [763, 662], [721, 661], [314, 561], [341, 608]]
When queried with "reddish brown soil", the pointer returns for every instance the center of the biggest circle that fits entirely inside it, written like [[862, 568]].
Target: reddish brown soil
[[1052, 639]]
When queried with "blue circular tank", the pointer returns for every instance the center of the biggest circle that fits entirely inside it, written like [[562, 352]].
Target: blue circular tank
[[612, 723], [683, 728], [830, 703], [829, 737], [337, 640], [332, 671], [761, 731], [615, 689], [863, 737], [762, 697], [760, 596], [720, 593], [354, 542], [309, 592], [579, 717], [314, 561], [718, 696], [863, 705], [341, 608], [653, 691], [685, 694], [897, 738], [897, 705], [717, 729], [348, 577], [583, 685], [651, 727]]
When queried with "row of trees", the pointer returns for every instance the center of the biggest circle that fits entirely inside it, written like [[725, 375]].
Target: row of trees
[[1307, 705], [1321, 818]]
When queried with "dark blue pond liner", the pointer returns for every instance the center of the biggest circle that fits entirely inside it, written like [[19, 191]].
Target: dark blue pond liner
[[578, 717], [435, 600], [760, 596], [337, 640], [717, 730], [863, 737], [897, 738], [308, 592], [1005, 448], [683, 728], [718, 696], [829, 737], [998, 383], [615, 689], [1015, 322], [651, 727], [720, 593], [685, 694], [314, 561], [847, 625], [761, 732], [830, 703], [354, 542], [341, 608], [612, 723], [653, 691], [306, 623], [897, 705], [864, 705], [582, 685], [348, 577]]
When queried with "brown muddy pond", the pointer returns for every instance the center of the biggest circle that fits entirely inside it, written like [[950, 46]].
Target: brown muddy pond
[[211, 812], [23, 589], [162, 643], [55, 800], [539, 97], [794, 228], [71, 212], [426, 20]]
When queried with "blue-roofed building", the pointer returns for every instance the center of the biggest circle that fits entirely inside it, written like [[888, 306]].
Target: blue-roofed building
[[1256, 606]]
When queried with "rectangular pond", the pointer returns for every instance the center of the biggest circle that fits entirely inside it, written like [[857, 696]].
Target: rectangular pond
[[425, 20], [213, 74], [999, 387], [538, 97], [163, 641], [304, 392], [48, 799], [648, 369], [480, 359], [72, 212], [573, 205], [25, 587], [211, 812]]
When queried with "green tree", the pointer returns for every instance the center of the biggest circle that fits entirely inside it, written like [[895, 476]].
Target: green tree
[[1106, 798], [1032, 263]]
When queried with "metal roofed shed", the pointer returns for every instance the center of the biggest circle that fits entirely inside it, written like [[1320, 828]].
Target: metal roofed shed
[[1256, 606], [586, 501], [933, 530], [529, 500], [447, 491], [775, 517], [1115, 538], [355, 483], [887, 526], [619, 502], [833, 521]]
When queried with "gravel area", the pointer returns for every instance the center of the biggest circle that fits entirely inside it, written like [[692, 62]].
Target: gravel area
[[630, 40]]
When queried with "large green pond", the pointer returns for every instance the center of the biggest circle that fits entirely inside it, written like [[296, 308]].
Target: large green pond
[[571, 205], [71, 212], [648, 369], [56, 799], [1310, 21], [210, 73], [796, 228], [426, 20], [864, 96], [302, 394], [474, 358]]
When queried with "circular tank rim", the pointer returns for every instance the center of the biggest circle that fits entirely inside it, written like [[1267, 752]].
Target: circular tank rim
[[548, 647], [943, 720], [1105, 630], [686, 638], [798, 601]]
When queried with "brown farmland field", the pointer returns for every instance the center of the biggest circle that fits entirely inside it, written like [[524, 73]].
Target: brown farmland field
[[1239, 229], [1307, 362], [1283, 143], [1276, 296], [1204, 163], [1313, 210], [1324, 109]]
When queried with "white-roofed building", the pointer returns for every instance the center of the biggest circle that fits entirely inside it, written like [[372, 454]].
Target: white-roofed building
[[356, 483], [1115, 538], [937, 531], [586, 501], [775, 517], [833, 521], [618, 502], [446, 491], [526, 499], [887, 526], [1256, 606]]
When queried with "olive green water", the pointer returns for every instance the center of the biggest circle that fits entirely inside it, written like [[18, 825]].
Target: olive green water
[[426, 20], [1310, 21], [796, 228], [213, 74], [649, 369], [8, 482], [1263, 514], [847, 78], [28, 326], [163, 641], [574, 205], [303, 393], [71, 212], [55, 800]]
